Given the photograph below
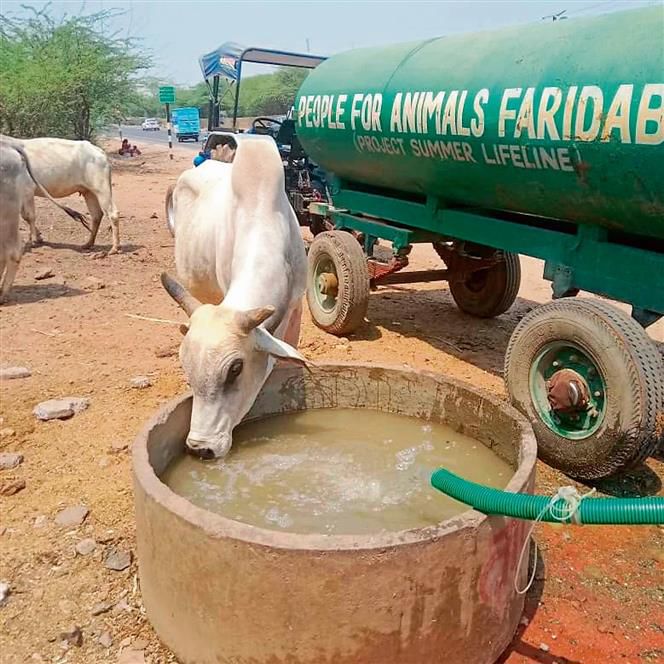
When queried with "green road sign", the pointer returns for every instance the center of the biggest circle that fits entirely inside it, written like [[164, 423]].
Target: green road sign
[[166, 94]]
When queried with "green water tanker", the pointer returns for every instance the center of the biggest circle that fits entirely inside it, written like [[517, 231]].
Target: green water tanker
[[545, 140]]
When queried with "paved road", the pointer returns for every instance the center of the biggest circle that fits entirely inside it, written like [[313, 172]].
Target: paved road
[[135, 135]]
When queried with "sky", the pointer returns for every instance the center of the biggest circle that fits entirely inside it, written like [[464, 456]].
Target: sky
[[177, 33]]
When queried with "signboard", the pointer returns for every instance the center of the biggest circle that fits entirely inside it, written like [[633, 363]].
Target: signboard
[[166, 94]]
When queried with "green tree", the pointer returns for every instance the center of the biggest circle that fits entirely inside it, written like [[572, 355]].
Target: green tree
[[270, 94], [65, 77]]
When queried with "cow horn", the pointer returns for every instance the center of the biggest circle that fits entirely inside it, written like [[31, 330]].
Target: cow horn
[[179, 293], [249, 320]]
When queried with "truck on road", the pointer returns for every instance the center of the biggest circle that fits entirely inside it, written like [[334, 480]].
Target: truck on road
[[186, 123]]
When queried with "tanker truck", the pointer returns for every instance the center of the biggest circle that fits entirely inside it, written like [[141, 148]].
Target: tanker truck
[[545, 140]]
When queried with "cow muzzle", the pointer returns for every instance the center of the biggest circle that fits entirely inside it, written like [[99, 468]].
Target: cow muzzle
[[208, 448]]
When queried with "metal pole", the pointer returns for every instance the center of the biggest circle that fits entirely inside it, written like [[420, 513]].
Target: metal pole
[[215, 103], [237, 93], [170, 135]]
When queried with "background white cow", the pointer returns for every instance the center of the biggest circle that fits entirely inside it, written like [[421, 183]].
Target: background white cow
[[69, 167], [242, 264], [17, 186]]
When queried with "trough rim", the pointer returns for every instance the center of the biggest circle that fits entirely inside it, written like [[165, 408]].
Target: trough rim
[[217, 526]]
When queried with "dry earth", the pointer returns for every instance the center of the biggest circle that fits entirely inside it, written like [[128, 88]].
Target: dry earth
[[598, 597]]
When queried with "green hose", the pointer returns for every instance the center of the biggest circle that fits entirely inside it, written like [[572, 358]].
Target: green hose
[[613, 511]]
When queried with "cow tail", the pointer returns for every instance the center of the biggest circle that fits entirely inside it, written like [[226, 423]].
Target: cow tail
[[74, 214], [168, 204]]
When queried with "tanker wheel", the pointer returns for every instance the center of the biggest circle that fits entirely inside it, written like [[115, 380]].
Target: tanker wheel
[[591, 382], [337, 282], [489, 292]]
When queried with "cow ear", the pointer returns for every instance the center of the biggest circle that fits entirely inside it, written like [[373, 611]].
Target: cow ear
[[268, 343], [250, 320]]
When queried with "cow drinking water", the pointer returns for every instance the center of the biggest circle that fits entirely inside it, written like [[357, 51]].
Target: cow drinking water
[[242, 268]]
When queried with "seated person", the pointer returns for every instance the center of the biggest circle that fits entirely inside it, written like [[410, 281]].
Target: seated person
[[125, 148], [223, 152]]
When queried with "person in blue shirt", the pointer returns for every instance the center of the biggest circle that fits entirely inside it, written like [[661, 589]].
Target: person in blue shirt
[[201, 157]]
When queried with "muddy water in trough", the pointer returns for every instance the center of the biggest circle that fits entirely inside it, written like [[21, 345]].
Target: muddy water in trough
[[336, 471]]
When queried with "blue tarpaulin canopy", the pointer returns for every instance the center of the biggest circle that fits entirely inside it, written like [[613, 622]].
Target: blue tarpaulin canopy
[[223, 61], [227, 60]]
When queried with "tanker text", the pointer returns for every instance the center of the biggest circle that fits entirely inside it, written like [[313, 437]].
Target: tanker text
[[578, 113], [517, 156]]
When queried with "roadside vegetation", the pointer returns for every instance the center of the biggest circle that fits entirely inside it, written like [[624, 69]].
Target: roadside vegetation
[[68, 77], [265, 94], [65, 77]]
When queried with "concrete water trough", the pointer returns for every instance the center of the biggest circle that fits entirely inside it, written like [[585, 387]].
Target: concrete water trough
[[220, 591]]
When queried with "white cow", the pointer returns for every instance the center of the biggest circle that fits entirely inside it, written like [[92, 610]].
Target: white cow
[[17, 186], [241, 260], [69, 167]]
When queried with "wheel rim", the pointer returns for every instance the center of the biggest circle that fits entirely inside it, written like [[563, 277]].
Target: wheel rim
[[325, 285], [580, 421]]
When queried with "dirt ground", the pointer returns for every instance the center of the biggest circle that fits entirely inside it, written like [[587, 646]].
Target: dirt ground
[[599, 591]]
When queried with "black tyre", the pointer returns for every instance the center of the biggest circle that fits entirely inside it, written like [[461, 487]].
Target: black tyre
[[490, 292], [337, 282], [620, 371]]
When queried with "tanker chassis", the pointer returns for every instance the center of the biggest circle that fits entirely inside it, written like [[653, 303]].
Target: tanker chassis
[[545, 140]]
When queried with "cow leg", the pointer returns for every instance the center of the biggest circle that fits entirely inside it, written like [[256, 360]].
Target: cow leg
[[29, 214], [96, 215], [292, 331], [9, 261], [105, 201], [115, 229]]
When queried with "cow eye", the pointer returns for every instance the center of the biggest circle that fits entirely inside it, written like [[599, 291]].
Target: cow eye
[[234, 371]]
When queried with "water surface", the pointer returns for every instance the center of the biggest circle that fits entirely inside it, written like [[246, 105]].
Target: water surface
[[335, 471]]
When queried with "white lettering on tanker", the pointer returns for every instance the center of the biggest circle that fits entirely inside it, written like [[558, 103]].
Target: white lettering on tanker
[[322, 111], [365, 111], [567, 113], [383, 145], [591, 99], [477, 123], [549, 104], [455, 125], [525, 120], [519, 156], [617, 116], [649, 116], [506, 113]]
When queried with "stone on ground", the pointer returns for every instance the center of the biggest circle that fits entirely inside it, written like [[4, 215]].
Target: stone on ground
[[59, 409], [73, 516], [9, 460], [11, 373]]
